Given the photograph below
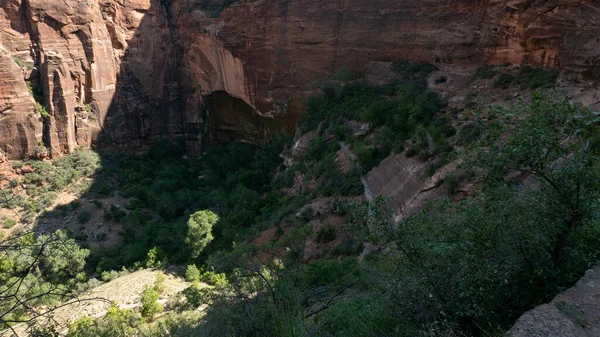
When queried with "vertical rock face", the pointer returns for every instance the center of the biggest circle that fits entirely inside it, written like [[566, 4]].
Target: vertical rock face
[[60, 95], [145, 69], [20, 130]]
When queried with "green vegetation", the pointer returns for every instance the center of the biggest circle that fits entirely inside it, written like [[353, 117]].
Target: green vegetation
[[533, 78], [117, 322], [504, 81], [412, 70], [192, 273], [486, 72], [456, 268], [150, 306], [441, 79], [41, 110], [528, 78], [43, 180], [23, 64], [35, 272], [326, 234], [165, 189], [399, 111], [200, 225], [84, 216], [224, 4], [344, 74], [9, 223], [36, 90]]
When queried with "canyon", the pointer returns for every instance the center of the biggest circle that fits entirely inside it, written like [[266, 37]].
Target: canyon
[[122, 74]]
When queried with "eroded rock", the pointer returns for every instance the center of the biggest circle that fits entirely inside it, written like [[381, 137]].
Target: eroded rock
[[573, 313]]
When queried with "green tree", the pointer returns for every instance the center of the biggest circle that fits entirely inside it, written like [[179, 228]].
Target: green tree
[[192, 273], [150, 305], [116, 323], [200, 225], [477, 264], [35, 273]]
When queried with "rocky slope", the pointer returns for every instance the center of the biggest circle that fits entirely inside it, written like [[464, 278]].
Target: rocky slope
[[122, 73], [574, 313]]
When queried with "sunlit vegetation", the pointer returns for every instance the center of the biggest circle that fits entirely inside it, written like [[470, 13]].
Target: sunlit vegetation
[[465, 267]]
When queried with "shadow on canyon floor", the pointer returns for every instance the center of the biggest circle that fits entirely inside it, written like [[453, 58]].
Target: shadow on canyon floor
[[152, 113]]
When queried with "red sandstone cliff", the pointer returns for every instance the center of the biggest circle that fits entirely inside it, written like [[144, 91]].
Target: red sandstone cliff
[[146, 67]]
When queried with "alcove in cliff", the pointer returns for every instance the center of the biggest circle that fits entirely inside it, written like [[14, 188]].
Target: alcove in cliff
[[230, 119]]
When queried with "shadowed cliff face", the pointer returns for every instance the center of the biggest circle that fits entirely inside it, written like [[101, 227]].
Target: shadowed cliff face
[[125, 73]]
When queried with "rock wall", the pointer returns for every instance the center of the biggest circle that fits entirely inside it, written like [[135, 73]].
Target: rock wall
[[124, 73], [573, 313]]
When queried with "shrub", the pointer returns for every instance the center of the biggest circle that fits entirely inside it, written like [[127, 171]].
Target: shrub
[[411, 71], [504, 81], [40, 151], [197, 295], [441, 79], [326, 234], [453, 179], [213, 278], [468, 134], [84, 216], [486, 72], [344, 74], [23, 64], [192, 274], [9, 223], [159, 283], [534, 78], [41, 110], [150, 306], [114, 213], [349, 246], [154, 258]]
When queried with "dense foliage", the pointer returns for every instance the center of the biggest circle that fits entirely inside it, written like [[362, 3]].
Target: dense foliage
[[37, 272], [41, 180], [457, 268], [465, 267], [400, 111], [164, 187]]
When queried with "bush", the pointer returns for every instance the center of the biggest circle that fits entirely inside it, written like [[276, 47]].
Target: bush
[[486, 72], [317, 147], [213, 278], [411, 71], [326, 234], [534, 78], [150, 306], [9, 223], [84, 216], [200, 226], [504, 81], [197, 295], [159, 283], [114, 213], [23, 64], [40, 151], [41, 110], [468, 134], [441, 79], [192, 274], [344, 74], [349, 246]]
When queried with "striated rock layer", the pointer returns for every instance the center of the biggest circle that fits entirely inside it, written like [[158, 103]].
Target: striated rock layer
[[125, 73]]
